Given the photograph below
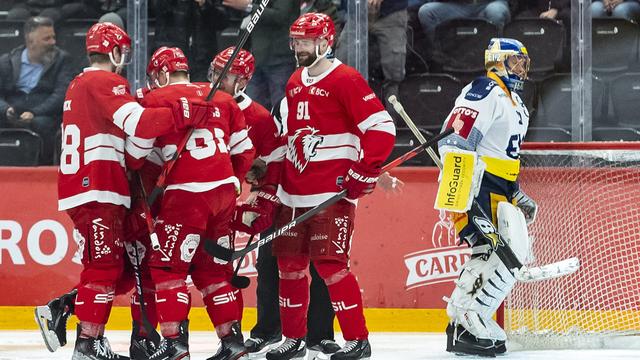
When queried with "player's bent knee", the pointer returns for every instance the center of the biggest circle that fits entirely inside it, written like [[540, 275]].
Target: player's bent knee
[[331, 271]]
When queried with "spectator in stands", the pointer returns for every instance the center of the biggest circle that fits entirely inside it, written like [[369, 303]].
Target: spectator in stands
[[59, 10], [190, 25], [387, 44], [559, 10], [270, 47], [33, 81], [626, 9], [434, 13]]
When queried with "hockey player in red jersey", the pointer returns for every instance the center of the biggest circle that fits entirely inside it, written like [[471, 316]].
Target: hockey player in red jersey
[[203, 180], [101, 123], [338, 136], [266, 136]]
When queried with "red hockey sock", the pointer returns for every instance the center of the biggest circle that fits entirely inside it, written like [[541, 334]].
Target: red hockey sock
[[93, 303], [347, 303], [221, 301], [150, 307], [294, 302], [172, 306]]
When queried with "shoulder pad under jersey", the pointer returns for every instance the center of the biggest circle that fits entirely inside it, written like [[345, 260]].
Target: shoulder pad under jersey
[[480, 88]]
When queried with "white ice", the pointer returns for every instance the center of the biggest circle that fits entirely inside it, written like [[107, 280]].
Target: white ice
[[28, 345]]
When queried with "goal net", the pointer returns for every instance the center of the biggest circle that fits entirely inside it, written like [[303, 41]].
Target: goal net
[[588, 196]]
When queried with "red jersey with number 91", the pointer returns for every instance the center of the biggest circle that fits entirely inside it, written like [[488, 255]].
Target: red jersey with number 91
[[205, 162]]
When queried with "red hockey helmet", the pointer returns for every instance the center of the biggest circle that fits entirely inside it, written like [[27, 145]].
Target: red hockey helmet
[[243, 65], [103, 37], [167, 59], [313, 26]]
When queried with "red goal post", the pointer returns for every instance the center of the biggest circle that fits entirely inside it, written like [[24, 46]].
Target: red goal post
[[589, 207]]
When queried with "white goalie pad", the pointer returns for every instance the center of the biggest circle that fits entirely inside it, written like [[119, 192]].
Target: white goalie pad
[[512, 226], [481, 288]]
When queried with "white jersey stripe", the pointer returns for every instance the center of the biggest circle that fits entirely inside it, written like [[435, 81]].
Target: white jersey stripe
[[241, 147], [138, 147], [275, 156], [380, 121], [104, 154], [238, 137], [128, 116], [108, 197], [197, 187], [102, 139], [305, 201]]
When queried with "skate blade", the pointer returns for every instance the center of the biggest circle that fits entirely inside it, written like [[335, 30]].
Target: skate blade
[[42, 314]]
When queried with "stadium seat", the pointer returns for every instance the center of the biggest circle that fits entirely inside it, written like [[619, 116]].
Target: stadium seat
[[615, 134], [614, 44], [462, 43], [10, 35], [428, 98], [555, 100], [19, 147], [625, 98], [71, 36], [547, 134], [544, 39], [405, 141]]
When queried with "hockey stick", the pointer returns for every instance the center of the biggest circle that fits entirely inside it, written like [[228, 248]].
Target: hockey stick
[[222, 253], [501, 247], [253, 20], [137, 267], [241, 282]]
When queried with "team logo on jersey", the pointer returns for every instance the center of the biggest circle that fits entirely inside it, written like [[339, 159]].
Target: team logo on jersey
[[303, 146], [462, 120], [119, 90], [188, 247]]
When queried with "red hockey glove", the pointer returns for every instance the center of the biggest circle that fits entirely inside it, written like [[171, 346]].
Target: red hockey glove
[[135, 224], [360, 180], [256, 216], [191, 113]]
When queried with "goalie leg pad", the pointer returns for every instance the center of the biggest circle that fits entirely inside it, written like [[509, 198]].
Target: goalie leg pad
[[512, 226], [480, 289]]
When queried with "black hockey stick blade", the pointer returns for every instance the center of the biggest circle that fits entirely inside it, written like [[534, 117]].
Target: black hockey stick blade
[[240, 282]]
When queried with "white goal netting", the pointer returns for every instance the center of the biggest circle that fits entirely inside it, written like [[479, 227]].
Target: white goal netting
[[589, 207]]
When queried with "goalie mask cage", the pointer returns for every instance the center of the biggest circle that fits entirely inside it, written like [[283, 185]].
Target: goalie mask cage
[[588, 197]]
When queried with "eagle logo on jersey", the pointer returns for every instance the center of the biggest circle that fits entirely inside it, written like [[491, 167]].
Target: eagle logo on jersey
[[303, 146]]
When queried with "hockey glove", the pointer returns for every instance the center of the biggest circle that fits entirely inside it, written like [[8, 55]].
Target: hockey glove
[[135, 224], [528, 207], [256, 216], [360, 180], [191, 113]]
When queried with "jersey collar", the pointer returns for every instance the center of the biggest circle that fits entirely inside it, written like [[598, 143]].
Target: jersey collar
[[311, 80], [245, 102], [496, 78]]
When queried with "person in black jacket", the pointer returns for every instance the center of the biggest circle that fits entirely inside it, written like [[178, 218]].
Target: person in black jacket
[[33, 82]]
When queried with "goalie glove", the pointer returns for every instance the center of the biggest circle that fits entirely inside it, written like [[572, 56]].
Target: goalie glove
[[528, 207], [256, 216]]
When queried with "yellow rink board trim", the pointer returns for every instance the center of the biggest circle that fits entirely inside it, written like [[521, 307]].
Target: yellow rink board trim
[[388, 320]]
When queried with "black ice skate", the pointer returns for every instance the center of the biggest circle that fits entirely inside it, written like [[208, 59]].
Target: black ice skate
[[290, 349], [141, 348], [322, 350], [231, 346], [94, 349], [353, 349], [174, 348], [257, 345], [462, 342], [52, 320]]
